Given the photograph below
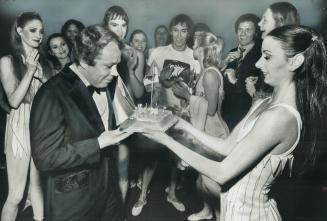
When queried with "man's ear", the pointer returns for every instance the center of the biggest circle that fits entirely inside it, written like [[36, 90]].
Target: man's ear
[[295, 62], [50, 52]]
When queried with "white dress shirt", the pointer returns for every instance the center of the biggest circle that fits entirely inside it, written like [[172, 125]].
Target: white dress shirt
[[101, 100]]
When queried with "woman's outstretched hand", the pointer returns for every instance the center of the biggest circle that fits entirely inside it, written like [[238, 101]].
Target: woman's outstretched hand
[[156, 135]]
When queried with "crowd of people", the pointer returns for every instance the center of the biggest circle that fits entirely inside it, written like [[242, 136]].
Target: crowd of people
[[242, 118]]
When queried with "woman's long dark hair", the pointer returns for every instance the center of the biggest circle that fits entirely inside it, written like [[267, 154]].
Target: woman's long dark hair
[[311, 85], [18, 50]]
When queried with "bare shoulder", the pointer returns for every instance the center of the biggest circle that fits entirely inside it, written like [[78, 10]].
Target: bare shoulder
[[280, 121], [6, 60], [211, 76], [6, 65], [278, 115]]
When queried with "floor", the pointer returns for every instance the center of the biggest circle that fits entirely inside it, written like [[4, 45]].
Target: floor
[[311, 199], [304, 200]]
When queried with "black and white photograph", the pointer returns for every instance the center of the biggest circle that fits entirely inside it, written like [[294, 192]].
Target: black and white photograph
[[163, 110]]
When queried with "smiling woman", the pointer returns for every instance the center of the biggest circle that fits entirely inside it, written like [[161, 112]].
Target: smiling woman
[[272, 62], [271, 133], [22, 73], [277, 15], [138, 40], [58, 51]]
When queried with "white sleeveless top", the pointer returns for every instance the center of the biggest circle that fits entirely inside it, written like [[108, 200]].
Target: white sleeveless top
[[247, 199], [214, 125]]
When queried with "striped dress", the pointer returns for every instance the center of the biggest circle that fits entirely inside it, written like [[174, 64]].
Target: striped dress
[[247, 199]]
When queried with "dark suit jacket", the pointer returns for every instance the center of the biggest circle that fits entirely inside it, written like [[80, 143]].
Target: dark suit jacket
[[237, 101], [79, 181]]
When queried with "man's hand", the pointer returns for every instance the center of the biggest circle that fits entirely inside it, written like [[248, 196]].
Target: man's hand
[[230, 73], [250, 85], [181, 90], [165, 77], [232, 56], [112, 137]]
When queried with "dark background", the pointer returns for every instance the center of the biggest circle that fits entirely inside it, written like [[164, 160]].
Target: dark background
[[220, 15]]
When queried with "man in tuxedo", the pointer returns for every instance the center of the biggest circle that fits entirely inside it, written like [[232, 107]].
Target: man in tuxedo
[[72, 134]]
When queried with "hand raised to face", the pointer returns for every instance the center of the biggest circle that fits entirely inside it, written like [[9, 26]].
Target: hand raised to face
[[31, 61], [130, 55], [232, 56]]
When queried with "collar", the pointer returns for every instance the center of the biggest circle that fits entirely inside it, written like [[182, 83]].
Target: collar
[[247, 48], [171, 46], [74, 68]]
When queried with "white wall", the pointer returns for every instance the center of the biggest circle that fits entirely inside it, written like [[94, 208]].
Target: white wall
[[220, 15]]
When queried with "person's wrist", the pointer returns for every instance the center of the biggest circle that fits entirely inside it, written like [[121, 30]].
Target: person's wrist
[[131, 72], [130, 68], [31, 72]]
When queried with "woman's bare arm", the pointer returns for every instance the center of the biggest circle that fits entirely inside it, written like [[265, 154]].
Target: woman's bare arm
[[274, 129], [221, 146], [15, 90], [136, 73]]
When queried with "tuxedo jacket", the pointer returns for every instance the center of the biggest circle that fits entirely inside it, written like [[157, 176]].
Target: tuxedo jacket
[[237, 101], [79, 180]]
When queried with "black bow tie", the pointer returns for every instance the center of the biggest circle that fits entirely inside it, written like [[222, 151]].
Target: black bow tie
[[93, 89]]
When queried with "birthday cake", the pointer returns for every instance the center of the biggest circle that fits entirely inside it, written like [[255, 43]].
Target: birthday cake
[[150, 118]]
